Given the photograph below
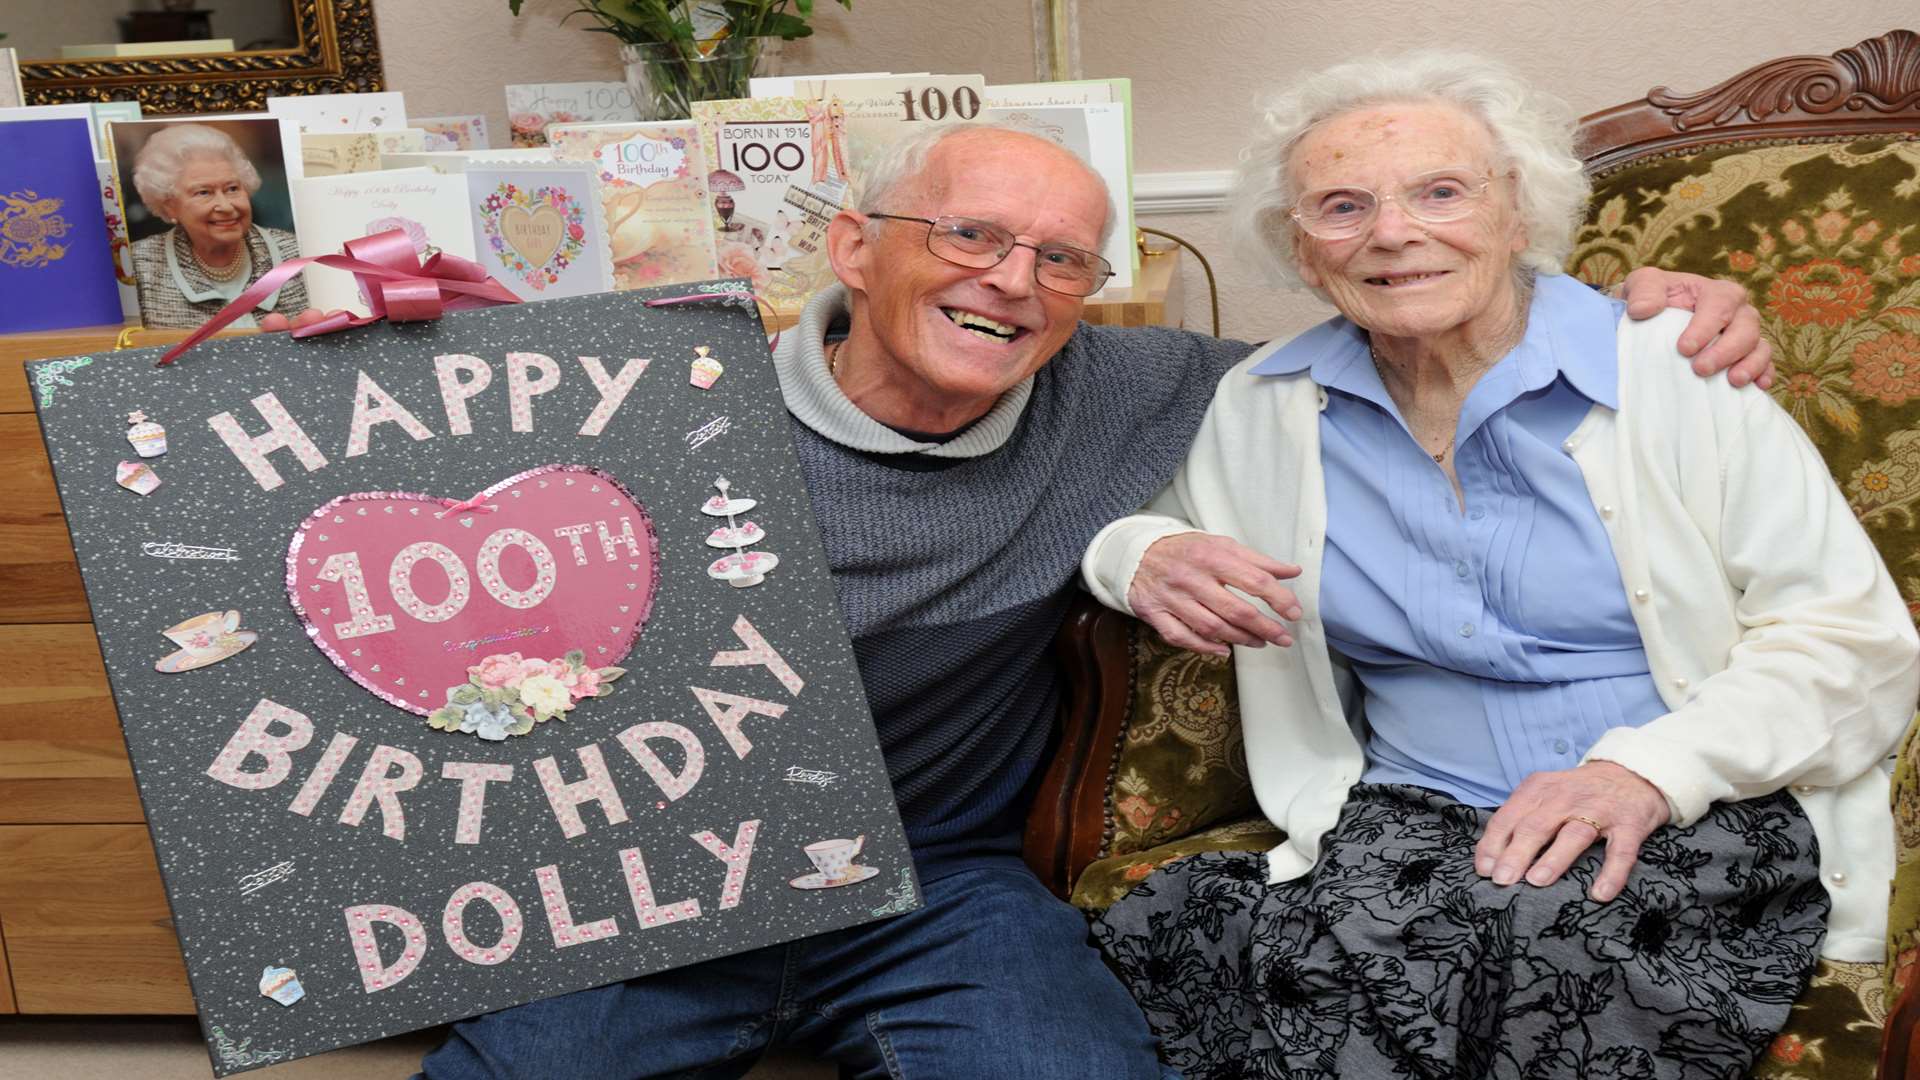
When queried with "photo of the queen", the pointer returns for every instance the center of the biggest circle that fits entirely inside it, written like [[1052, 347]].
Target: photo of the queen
[[200, 238]]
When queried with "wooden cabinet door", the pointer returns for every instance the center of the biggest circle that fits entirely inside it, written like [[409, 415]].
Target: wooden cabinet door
[[83, 918]]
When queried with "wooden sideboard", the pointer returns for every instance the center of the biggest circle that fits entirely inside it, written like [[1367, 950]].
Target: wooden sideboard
[[84, 925]]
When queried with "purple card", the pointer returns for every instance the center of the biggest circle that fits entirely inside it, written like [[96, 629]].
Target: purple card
[[56, 260]]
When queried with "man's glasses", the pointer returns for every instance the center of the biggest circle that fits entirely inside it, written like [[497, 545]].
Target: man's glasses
[[1432, 198], [979, 245]]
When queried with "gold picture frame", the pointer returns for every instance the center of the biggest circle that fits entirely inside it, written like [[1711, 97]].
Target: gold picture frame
[[338, 53]]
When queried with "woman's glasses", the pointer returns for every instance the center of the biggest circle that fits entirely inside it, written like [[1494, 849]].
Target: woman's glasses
[[1432, 198]]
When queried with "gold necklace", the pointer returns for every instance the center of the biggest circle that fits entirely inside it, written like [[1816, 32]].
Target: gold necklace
[[1513, 338], [1380, 369], [833, 358]]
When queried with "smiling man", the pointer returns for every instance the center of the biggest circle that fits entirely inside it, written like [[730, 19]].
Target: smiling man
[[963, 437]]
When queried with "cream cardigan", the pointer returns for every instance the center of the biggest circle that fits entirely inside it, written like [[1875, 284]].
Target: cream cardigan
[[1771, 625]]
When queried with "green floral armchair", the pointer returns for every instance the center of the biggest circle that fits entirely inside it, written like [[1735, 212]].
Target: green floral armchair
[[1800, 178]]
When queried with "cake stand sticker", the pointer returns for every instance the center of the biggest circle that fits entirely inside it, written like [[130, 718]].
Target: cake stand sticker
[[204, 639], [148, 438], [833, 864], [486, 615], [743, 568]]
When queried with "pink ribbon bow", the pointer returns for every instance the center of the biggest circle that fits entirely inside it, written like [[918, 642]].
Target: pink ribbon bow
[[398, 287], [460, 506]]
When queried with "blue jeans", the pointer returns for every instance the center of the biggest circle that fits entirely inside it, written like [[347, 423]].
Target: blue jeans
[[992, 977]]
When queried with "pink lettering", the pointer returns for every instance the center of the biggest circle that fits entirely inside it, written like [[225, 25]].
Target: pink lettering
[[566, 798], [282, 432], [378, 784], [252, 740]]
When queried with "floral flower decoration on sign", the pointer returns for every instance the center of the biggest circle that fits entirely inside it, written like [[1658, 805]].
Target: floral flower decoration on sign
[[507, 694], [535, 234]]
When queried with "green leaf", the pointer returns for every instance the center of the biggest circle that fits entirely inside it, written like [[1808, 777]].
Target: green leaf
[[576, 658], [525, 725], [465, 695], [789, 27], [609, 674], [1906, 318], [446, 719]]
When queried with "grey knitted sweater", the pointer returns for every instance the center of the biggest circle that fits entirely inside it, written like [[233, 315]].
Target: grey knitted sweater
[[954, 562]]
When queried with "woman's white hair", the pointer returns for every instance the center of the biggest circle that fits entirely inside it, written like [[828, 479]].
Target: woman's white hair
[[906, 158], [157, 167], [1532, 136]]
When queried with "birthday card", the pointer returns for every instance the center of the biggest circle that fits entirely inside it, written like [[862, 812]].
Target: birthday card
[[429, 207], [471, 662], [777, 174], [653, 192], [539, 228]]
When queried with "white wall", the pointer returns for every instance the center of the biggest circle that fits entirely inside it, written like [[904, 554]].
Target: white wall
[[1198, 67]]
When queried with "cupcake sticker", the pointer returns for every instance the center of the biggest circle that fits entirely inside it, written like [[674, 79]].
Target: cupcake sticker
[[148, 438], [705, 369], [137, 477]]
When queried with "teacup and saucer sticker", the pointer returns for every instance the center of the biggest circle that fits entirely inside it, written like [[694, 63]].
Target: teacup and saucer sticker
[[833, 864], [137, 477], [282, 985], [204, 639]]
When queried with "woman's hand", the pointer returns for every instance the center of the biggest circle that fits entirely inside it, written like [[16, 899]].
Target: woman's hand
[[1724, 332], [1180, 590], [1564, 813]]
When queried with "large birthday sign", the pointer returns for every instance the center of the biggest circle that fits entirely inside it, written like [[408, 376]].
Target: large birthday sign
[[457, 665]]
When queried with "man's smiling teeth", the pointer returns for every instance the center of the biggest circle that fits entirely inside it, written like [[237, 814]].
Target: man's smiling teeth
[[979, 325], [1402, 279]]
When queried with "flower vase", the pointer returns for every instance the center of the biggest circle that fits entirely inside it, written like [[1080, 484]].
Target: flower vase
[[668, 77]]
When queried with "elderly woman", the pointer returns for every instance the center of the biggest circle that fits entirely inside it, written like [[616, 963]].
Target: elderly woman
[[1576, 733], [195, 178]]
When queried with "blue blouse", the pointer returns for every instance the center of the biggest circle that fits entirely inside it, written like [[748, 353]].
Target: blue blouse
[[1495, 642]]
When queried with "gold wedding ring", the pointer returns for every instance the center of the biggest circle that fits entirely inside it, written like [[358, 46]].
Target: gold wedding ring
[[1597, 827]]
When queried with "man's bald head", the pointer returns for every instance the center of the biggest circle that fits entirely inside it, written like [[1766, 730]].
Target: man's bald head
[[927, 161]]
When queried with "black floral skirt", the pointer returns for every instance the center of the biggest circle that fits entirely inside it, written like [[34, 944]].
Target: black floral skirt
[[1394, 959]]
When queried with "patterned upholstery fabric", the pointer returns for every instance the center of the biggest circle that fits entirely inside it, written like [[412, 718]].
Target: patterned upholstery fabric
[[1835, 1027], [1182, 766], [1825, 237]]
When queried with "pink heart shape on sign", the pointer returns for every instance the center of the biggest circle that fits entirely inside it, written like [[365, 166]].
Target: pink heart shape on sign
[[425, 598]]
